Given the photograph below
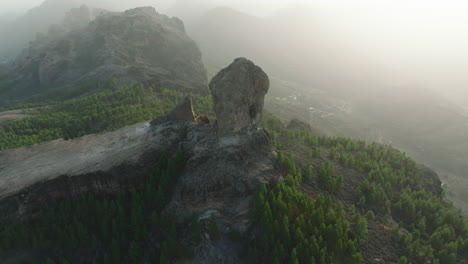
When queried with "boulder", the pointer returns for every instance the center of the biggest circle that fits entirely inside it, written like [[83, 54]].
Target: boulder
[[238, 93], [297, 124]]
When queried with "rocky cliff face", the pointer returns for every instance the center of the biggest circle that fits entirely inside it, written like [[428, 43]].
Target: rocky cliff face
[[138, 45], [223, 171]]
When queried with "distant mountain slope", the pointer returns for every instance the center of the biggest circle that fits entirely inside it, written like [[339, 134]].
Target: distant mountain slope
[[38, 19], [138, 45]]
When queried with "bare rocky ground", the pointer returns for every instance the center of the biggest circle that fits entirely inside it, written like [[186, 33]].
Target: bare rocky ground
[[26, 166], [12, 115]]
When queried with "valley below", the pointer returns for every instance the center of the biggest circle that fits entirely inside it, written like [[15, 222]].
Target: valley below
[[440, 146]]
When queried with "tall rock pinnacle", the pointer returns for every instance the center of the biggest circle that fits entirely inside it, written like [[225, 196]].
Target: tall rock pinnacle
[[238, 93]]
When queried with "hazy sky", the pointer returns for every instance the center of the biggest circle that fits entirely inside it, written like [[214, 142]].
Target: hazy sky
[[265, 6], [260, 7], [9, 6]]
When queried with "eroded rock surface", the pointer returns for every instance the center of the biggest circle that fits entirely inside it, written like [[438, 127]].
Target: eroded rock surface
[[238, 95]]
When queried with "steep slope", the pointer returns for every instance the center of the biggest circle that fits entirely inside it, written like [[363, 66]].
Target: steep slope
[[392, 191], [138, 45]]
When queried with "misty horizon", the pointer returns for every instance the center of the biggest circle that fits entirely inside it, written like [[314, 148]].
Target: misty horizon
[[420, 43]]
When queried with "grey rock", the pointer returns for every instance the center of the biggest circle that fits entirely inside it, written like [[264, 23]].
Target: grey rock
[[228, 161], [182, 112], [225, 171], [238, 96]]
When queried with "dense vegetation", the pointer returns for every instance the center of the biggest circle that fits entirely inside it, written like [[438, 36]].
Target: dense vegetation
[[430, 229], [100, 112], [126, 228], [294, 228]]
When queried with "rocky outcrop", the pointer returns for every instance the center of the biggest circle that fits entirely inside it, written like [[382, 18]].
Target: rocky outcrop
[[234, 156], [138, 45], [223, 171], [238, 93], [297, 124], [228, 161], [182, 112]]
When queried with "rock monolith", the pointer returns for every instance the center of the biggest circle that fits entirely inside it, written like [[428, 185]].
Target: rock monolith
[[238, 93]]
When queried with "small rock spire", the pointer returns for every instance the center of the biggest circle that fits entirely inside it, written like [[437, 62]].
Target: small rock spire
[[182, 112]]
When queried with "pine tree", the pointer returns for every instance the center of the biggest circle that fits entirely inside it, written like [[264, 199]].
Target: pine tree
[[294, 259], [134, 252]]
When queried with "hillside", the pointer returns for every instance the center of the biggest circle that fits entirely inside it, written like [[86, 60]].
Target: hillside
[[198, 191]]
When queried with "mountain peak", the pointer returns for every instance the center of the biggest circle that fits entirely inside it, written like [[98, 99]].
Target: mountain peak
[[138, 45], [145, 10]]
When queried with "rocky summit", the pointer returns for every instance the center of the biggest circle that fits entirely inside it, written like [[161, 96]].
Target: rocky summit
[[138, 45], [222, 175], [238, 93]]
